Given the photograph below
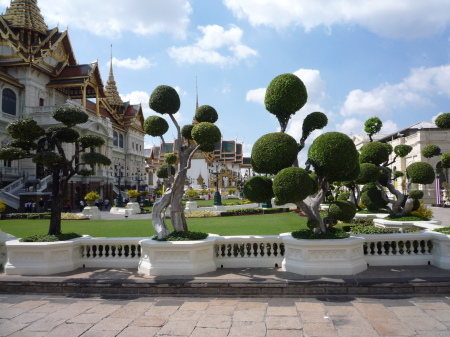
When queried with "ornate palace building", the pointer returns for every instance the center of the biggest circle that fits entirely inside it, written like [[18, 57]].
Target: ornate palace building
[[38, 72]]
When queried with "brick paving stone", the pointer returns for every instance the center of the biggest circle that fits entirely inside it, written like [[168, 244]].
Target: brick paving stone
[[282, 311], [432, 305], [161, 311], [116, 324], [247, 329], [50, 307], [103, 309], [382, 315], [434, 333], [251, 306], [30, 304], [423, 323], [223, 302], [11, 327], [440, 315], [44, 325], [249, 315], [137, 331], [88, 318], [319, 330], [12, 312], [174, 328], [343, 321], [369, 306], [303, 306], [72, 310], [340, 310], [186, 315], [149, 321], [283, 323], [220, 310], [100, 333], [407, 311], [28, 334], [357, 332], [69, 330], [214, 321], [393, 329], [28, 317], [284, 333], [194, 306], [314, 317], [130, 311], [209, 332]]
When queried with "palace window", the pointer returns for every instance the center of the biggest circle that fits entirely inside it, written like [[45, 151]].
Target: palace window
[[116, 138], [121, 140], [9, 101]]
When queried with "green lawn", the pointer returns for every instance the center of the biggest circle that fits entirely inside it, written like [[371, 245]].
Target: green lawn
[[268, 224]]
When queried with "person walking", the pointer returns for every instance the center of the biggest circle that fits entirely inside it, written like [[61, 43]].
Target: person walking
[[81, 205], [41, 206]]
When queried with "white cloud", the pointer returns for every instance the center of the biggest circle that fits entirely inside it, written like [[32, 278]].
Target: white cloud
[[413, 90], [433, 119], [399, 19], [389, 127], [217, 46], [139, 97], [351, 126], [139, 63], [117, 16], [256, 95]]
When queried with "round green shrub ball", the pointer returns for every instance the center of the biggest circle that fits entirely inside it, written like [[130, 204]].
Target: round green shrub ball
[[292, 184], [170, 158], [443, 121], [315, 187], [312, 223], [258, 189], [206, 113], [285, 95], [314, 121], [25, 129], [373, 200], [368, 173], [383, 177], [415, 194], [164, 100], [431, 150], [274, 152], [206, 133], [155, 126], [207, 147], [70, 116], [186, 131], [375, 153], [343, 196], [369, 186], [402, 150], [416, 205], [64, 134], [445, 160], [334, 155], [163, 171], [342, 210], [420, 173]]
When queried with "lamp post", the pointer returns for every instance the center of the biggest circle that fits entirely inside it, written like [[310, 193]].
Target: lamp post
[[242, 184], [119, 174], [1, 178], [138, 177], [217, 197]]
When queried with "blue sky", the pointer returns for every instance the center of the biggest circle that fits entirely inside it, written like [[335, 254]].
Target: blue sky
[[358, 59]]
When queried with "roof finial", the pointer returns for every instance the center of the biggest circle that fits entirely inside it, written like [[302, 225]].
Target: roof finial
[[111, 68]]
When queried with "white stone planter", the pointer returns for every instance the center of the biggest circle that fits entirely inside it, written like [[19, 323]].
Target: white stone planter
[[371, 216], [323, 257], [191, 206], [177, 257], [91, 212], [42, 258], [401, 225]]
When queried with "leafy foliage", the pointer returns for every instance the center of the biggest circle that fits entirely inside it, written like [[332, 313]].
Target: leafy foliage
[[92, 196], [373, 125], [402, 150], [420, 173], [314, 121], [47, 158], [206, 113], [292, 184], [443, 121], [207, 147], [91, 141], [162, 171], [431, 150], [375, 153], [285, 95], [368, 173], [25, 129], [258, 189], [165, 100], [342, 210], [445, 160], [50, 238], [155, 126], [93, 158], [415, 194], [184, 236], [170, 158], [64, 134], [186, 131], [334, 155], [24, 145], [373, 200], [12, 153], [274, 152], [307, 234], [2, 206], [360, 229], [70, 116], [206, 133]]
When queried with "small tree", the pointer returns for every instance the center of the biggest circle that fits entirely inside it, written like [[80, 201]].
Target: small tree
[[26, 134], [332, 155], [192, 137]]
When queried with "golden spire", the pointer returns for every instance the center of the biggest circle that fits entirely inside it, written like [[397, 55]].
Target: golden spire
[[112, 94], [194, 121], [25, 14]]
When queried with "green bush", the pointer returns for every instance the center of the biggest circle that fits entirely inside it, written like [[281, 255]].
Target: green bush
[[342, 211], [375, 153], [155, 126], [163, 171], [243, 211], [258, 189], [445, 160], [373, 199], [343, 196], [206, 133], [274, 152], [443, 121], [407, 218], [274, 210], [186, 131], [164, 100], [402, 150], [206, 113], [334, 155], [170, 158], [51, 238], [314, 121], [420, 173], [184, 236], [415, 194], [372, 230], [70, 116], [291, 185], [431, 150], [368, 173], [307, 234]]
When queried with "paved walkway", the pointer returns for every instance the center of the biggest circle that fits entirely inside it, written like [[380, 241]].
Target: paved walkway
[[55, 316]]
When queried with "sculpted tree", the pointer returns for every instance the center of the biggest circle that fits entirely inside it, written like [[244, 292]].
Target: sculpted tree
[[333, 156], [202, 136], [26, 135], [378, 176]]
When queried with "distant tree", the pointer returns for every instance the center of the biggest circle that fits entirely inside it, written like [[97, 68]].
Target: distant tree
[[202, 136], [26, 134], [332, 155]]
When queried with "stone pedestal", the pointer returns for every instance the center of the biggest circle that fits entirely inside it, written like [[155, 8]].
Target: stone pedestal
[[191, 206], [91, 212]]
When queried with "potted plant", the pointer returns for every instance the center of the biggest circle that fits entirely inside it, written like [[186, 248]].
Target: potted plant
[[91, 197], [192, 194], [133, 194]]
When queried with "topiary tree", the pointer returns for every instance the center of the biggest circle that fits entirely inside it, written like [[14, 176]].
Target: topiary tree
[[26, 134], [332, 155], [377, 154], [202, 136]]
